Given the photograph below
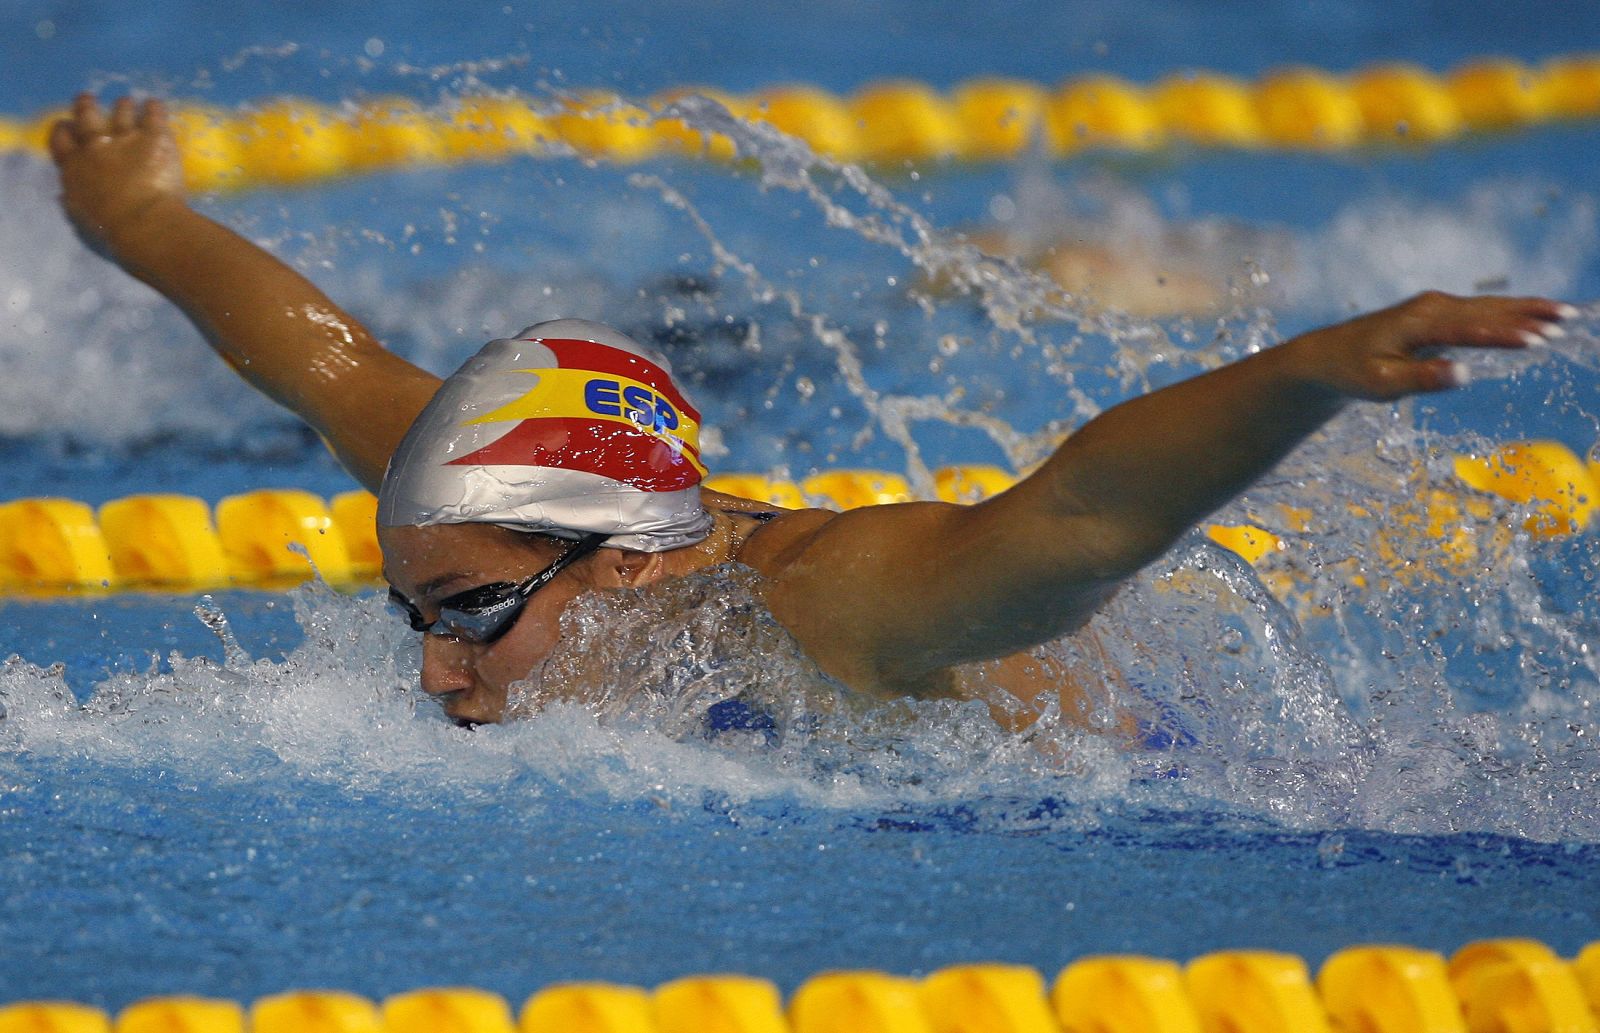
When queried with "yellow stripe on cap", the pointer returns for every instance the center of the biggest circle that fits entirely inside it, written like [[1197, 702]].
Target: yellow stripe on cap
[[582, 394]]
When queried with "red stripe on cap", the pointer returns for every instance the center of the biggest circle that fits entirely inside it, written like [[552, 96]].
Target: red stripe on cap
[[602, 358], [601, 447]]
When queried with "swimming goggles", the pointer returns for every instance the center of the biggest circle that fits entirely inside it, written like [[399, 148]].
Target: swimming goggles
[[484, 614]]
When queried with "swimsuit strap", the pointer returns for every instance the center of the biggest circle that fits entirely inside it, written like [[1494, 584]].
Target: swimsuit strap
[[763, 515]]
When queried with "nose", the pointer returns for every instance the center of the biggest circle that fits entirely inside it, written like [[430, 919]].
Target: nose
[[445, 666]]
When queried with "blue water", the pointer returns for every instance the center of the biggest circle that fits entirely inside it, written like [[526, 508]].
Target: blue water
[[275, 807], [581, 888]]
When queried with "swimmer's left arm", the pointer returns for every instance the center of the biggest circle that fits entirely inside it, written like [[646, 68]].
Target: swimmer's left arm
[[905, 590], [1147, 471]]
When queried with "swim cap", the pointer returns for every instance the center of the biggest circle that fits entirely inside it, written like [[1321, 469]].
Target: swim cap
[[570, 428]]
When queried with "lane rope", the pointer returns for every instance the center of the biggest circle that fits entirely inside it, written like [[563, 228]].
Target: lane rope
[[1507, 985], [276, 538], [287, 141]]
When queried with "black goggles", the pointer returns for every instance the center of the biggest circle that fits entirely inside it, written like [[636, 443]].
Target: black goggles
[[484, 614]]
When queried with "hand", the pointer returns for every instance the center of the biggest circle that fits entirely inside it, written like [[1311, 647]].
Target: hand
[[114, 170], [1394, 352]]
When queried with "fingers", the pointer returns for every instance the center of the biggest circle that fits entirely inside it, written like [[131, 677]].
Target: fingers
[[1441, 375], [1391, 379], [122, 115], [87, 117], [1549, 315], [89, 124], [1537, 321], [89, 120], [152, 116], [1436, 320], [63, 140]]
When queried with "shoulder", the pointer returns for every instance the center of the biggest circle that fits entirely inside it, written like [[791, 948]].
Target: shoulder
[[784, 544], [849, 585], [771, 536], [773, 546]]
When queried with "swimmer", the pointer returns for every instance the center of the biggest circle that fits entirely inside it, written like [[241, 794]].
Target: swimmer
[[564, 460]]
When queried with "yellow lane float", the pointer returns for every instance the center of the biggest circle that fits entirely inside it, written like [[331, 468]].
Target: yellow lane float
[[1124, 995], [1388, 989], [53, 1017], [182, 1015], [1210, 110], [1308, 109], [1406, 103], [288, 141], [857, 1002], [163, 539], [587, 1008], [52, 544], [1545, 475], [1509, 985], [1518, 984], [1260, 991], [732, 1003], [315, 1011], [1102, 111], [986, 996], [1001, 116], [276, 536], [273, 538]]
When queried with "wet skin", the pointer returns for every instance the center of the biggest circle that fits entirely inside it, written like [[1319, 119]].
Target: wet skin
[[427, 564], [472, 681]]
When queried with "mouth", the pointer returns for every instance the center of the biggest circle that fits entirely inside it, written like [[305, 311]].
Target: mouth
[[451, 703], [461, 709]]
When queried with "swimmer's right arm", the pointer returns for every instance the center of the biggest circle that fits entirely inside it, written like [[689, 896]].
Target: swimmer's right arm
[[122, 188]]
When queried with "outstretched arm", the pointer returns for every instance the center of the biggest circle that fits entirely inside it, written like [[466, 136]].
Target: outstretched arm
[[122, 187], [1150, 469], [906, 590]]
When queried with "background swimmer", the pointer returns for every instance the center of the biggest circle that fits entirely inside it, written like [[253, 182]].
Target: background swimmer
[[1108, 247], [889, 600]]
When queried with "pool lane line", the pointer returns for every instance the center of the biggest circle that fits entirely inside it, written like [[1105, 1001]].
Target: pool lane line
[[288, 141], [1503, 984], [279, 538]]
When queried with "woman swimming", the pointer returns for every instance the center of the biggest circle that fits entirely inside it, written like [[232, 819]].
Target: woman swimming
[[565, 460]]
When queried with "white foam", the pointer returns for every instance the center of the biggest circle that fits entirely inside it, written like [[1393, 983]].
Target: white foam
[[86, 352], [1268, 728], [1516, 237]]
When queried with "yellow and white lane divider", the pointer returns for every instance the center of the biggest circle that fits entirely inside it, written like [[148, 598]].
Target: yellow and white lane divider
[[1491, 986], [274, 538], [291, 141]]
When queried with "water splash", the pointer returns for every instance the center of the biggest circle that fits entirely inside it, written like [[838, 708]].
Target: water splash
[[1367, 676]]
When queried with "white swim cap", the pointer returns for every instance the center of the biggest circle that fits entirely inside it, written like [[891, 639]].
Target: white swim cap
[[570, 428]]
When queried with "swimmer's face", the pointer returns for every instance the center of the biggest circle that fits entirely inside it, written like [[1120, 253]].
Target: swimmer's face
[[427, 565]]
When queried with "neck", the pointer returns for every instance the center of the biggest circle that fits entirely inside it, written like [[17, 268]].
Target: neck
[[727, 532]]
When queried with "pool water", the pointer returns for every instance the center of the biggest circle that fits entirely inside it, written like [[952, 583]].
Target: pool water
[[1369, 739]]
